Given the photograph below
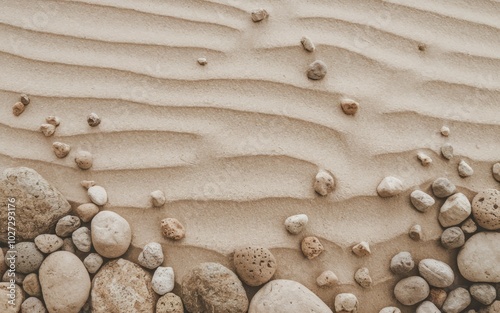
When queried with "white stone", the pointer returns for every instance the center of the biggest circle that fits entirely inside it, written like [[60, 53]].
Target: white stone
[[421, 200], [390, 309], [93, 262], [307, 44], [33, 305], [82, 239], [484, 293], [163, 280], [327, 279], [427, 307], [411, 290], [436, 273], [346, 302], [111, 234], [98, 195], [362, 249], [48, 243], [158, 198], [445, 131], [424, 158], [296, 223], [151, 255], [442, 187], [324, 183], [390, 186], [455, 210], [464, 169], [457, 300], [402, 263], [478, 259], [447, 151]]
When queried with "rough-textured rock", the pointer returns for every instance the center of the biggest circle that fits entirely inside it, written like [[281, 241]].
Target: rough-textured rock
[[172, 229], [361, 249], [327, 279], [346, 302], [93, 119], [19, 279], [324, 183], [452, 238], [66, 225], [402, 263], [285, 296], [415, 232], [421, 201], [457, 300], [424, 159], [93, 262], [493, 308], [349, 106], [38, 205], [28, 257], [427, 307], [81, 239], [389, 187], [33, 305], [483, 293], [464, 169], [486, 209], [447, 151], [97, 195], [436, 273], [113, 279], [311, 247], [317, 70], [211, 287], [87, 211], [65, 282], [202, 61], [84, 159], [16, 299], [254, 265], [48, 243], [31, 285], [61, 150], [411, 290], [259, 15], [445, 131], [437, 296], [296, 223], [111, 234], [307, 44], [443, 187], [47, 129], [478, 259], [469, 226], [151, 255], [495, 171], [390, 309], [53, 120], [454, 210], [363, 278], [169, 303], [163, 280], [18, 108], [158, 198]]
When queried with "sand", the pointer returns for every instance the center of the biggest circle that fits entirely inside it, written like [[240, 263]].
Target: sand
[[235, 144]]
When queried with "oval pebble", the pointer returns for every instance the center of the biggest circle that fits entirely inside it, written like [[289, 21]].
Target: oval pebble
[[254, 265], [18, 108], [390, 309], [495, 171], [87, 211], [427, 307], [390, 186], [169, 303], [84, 159], [259, 15], [349, 106], [452, 238], [151, 255], [317, 70], [443, 187], [324, 183], [296, 223], [478, 259], [411, 290], [98, 195], [484, 293], [436, 273], [447, 151], [33, 305], [464, 169], [457, 300], [111, 234], [307, 44], [158, 198], [28, 257], [421, 200], [163, 280], [402, 263]]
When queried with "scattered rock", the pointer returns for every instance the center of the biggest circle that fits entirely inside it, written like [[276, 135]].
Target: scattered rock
[[402, 263], [495, 170], [65, 282], [464, 169], [84, 160], [478, 259], [362, 249], [18, 108], [411, 290], [415, 232], [47, 129], [349, 106], [390, 309], [202, 61], [61, 150], [111, 234], [67, 225], [486, 209], [296, 223], [28, 258], [53, 120], [93, 262], [158, 198], [172, 229], [324, 183], [211, 287], [436, 273], [457, 300], [346, 302], [311, 247], [6, 295], [48, 243], [307, 44], [169, 303], [25, 99], [454, 210], [87, 211], [469, 226], [437, 297], [421, 200], [68, 245], [389, 186], [362, 277], [115, 277], [82, 239], [93, 119], [31, 285], [447, 151], [163, 280], [484, 293], [98, 195], [87, 183], [452, 238], [445, 131], [151, 255], [259, 15], [317, 70], [424, 158], [327, 279], [33, 305], [254, 265], [427, 307], [443, 188]]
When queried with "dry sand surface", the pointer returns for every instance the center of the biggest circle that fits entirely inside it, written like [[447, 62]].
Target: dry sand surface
[[235, 144]]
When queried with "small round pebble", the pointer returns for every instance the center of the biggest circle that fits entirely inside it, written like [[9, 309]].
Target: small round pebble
[[317, 70], [202, 61], [28, 257], [33, 305], [87, 183], [25, 99], [469, 226], [390, 186], [416, 233], [445, 131], [163, 280], [68, 245], [457, 300], [48, 243], [93, 119], [447, 151], [84, 159], [158, 198], [169, 303], [86, 211], [324, 183], [254, 265], [18, 108], [296, 223], [437, 296], [346, 302], [311, 247], [402, 263], [427, 307], [452, 238], [390, 309], [363, 278], [486, 209], [307, 44], [349, 106], [47, 129], [436, 273], [151, 255], [411, 290], [464, 169], [424, 158], [98, 195], [66, 225], [361, 249], [495, 171], [421, 200], [172, 229], [61, 150], [111, 234], [82, 239], [443, 187], [454, 210], [93, 262], [483, 293], [31, 285], [53, 120], [327, 279], [259, 15]]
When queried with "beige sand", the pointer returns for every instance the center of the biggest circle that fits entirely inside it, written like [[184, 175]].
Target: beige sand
[[235, 144]]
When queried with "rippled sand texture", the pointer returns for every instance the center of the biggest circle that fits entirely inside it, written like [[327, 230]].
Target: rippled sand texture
[[235, 145]]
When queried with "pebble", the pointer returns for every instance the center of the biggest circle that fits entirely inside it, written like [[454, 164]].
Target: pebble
[[98, 195], [87, 183], [457, 300], [61, 150], [454, 210], [33, 305], [93, 119], [437, 297], [18, 108], [169, 303], [172, 229], [484, 293], [67, 225], [31, 285], [443, 188], [53, 120], [82, 239], [93, 262], [436, 273], [307, 44], [427, 307], [445, 131], [493, 308], [346, 302], [202, 61], [349, 106], [296, 223], [424, 158], [311, 247], [415, 232], [48, 243], [452, 238], [421, 200], [464, 169], [17, 295], [259, 15], [447, 151], [362, 249], [402, 263], [65, 282], [25, 99], [84, 160], [390, 309], [68, 245], [324, 183], [47, 129], [362, 277], [478, 259], [486, 209], [212, 287], [469, 226], [254, 265], [327, 279], [163, 280], [389, 186], [495, 170], [111, 234], [317, 70], [19, 279], [28, 257], [158, 198], [411, 290], [151, 255], [86, 211]]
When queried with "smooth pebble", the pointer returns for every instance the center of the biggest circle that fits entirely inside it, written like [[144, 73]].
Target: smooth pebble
[[163, 280], [464, 169], [389, 186], [416, 233], [478, 259], [93, 262], [67, 225], [25, 99], [349, 106], [443, 187], [84, 159], [202, 61], [98, 195], [296, 223], [327, 279], [424, 158], [307, 44], [158, 198], [390, 309], [402, 263], [31, 285], [427, 307], [254, 265], [484, 293], [495, 171], [436, 273], [18, 108], [447, 151], [33, 305], [82, 239], [411, 290], [111, 234], [317, 70], [259, 15], [457, 300], [445, 131], [421, 200], [452, 238], [454, 210], [86, 211]]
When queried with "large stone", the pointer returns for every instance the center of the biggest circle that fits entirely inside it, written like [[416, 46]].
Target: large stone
[[284, 296], [111, 234], [11, 302], [211, 287], [454, 210], [38, 205], [479, 258], [65, 282], [486, 209], [122, 286]]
